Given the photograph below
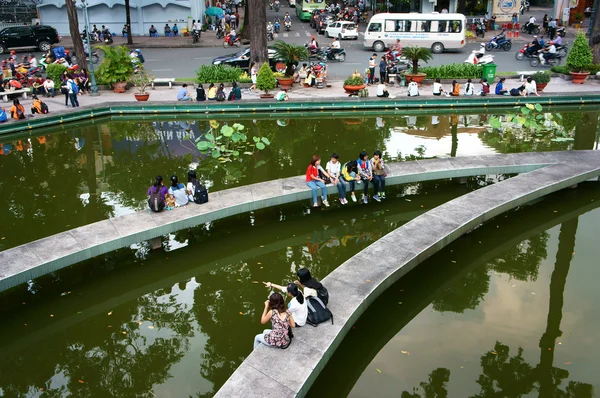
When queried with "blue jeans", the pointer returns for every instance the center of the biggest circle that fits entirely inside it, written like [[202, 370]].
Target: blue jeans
[[260, 339], [352, 184], [378, 183], [186, 98], [341, 187], [314, 185], [74, 101]]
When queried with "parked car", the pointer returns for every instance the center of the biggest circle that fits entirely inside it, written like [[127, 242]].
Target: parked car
[[342, 30], [323, 21], [314, 16], [241, 59], [27, 37]]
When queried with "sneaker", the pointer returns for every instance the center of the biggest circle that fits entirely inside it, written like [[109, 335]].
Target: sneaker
[[359, 182], [325, 202], [376, 198], [342, 201], [382, 195], [316, 204], [353, 197], [365, 200], [345, 201]]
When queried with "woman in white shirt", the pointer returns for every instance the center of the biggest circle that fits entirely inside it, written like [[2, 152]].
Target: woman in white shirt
[[297, 304], [413, 89], [178, 190], [333, 167], [437, 88], [469, 88]]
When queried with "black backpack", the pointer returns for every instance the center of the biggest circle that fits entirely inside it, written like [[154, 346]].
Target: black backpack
[[317, 311], [200, 192], [323, 294], [220, 96], [156, 202], [44, 108]]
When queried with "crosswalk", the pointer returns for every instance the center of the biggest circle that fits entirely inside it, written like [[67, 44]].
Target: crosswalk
[[297, 34]]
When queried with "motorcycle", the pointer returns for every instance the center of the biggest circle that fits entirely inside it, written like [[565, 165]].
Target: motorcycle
[[479, 29], [540, 60], [195, 36], [219, 33], [107, 37], [523, 53], [288, 25], [562, 31], [95, 58], [228, 43], [276, 26], [536, 28], [270, 35], [339, 55], [505, 44], [277, 6], [524, 7], [485, 59], [316, 54]]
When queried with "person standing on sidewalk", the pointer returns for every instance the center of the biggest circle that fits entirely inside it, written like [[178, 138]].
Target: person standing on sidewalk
[[382, 70], [552, 28], [73, 91], [372, 61]]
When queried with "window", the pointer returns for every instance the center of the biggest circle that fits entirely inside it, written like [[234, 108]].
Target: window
[[423, 26], [391, 25], [442, 25], [375, 27], [455, 26]]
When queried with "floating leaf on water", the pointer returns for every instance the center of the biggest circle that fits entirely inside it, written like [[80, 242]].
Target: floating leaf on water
[[241, 313], [453, 261], [81, 381], [405, 352], [513, 285], [260, 145], [254, 281], [368, 280], [51, 316], [462, 367], [265, 140], [378, 371], [150, 327], [259, 263], [494, 352], [533, 293], [399, 302], [568, 363], [110, 313]]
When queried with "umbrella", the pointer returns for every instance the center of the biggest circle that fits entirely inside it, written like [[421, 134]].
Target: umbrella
[[214, 11]]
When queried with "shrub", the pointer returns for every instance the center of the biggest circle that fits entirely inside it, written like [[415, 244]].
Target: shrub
[[541, 76], [265, 80], [289, 54], [580, 57], [560, 69], [416, 54], [217, 74], [453, 71], [469, 34], [353, 81], [116, 66], [141, 80], [54, 72]]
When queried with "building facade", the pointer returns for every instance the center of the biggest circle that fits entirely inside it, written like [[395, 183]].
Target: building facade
[[111, 13]]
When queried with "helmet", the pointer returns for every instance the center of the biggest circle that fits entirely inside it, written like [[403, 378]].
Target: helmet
[[137, 50], [312, 38], [13, 52], [535, 37], [67, 52], [552, 42]]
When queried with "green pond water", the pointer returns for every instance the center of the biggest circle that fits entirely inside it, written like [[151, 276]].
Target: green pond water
[[177, 323], [76, 175]]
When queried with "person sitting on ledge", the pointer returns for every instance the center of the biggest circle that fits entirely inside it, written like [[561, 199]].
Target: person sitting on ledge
[[153, 31], [168, 31], [281, 319], [312, 287], [175, 30], [125, 31], [282, 95], [381, 91], [455, 89], [500, 90], [184, 94], [297, 304]]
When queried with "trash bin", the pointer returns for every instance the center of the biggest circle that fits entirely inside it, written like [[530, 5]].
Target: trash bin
[[489, 72]]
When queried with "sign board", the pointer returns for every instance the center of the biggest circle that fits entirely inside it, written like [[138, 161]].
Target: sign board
[[504, 9]]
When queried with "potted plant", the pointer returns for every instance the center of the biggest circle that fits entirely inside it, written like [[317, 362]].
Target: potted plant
[[354, 84], [265, 81], [141, 80], [579, 59], [542, 78], [290, 55], [116, 68], [416, 54]]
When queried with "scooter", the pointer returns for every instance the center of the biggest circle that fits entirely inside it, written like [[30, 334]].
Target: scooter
[[219, 33], [195, 36], [536, 29], [95, 58], [524, 53], [562, 31], [276, 26], [270, 5], [107, 37], [270, 35], [479, 29], [288, 25], [316, 54], [228, 43], [524, 7], [276, 6], [540, 60], [505, 44], [485, 59], [340, 55]]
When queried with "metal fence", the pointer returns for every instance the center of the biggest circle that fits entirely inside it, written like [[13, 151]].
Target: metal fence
[[16, 13]]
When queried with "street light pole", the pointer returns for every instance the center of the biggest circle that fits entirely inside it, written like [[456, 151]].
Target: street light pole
[[94, 87]]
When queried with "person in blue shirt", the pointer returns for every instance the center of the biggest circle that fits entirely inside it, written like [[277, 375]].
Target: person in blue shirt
[[175, 30], [184, 94], [3, 116], [500, 90], [382, 70]]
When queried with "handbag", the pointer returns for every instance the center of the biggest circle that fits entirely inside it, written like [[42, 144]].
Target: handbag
[[326, 179]]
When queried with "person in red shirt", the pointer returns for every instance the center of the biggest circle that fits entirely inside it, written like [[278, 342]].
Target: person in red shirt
[[315, 181]]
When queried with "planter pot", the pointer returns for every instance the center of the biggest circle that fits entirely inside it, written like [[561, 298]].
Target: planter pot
[[119, 87], [280, 67], [142, 97], [264, 96], [579, 77], [285, 82], [540, 86], [417, 78], [353, 89]]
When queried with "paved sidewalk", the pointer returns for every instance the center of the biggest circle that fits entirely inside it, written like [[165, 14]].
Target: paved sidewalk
[[165, 95]]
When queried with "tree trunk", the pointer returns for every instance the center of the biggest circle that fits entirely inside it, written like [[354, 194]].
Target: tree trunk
[[128, 22], [245, 33], [258, 31], [74, 30], [595, 32]]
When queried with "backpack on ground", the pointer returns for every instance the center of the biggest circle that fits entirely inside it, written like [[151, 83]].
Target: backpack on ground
[[156, 202], [20, 114], [200, 193], [317, 311], [44, 108], [220, 96], [323, 294], [231, 96]]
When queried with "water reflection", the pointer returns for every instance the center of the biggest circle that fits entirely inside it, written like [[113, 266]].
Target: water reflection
[[414, 340]]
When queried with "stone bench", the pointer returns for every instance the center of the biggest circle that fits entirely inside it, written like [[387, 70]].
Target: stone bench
[[22, 91], [167, 80], [525, 73]]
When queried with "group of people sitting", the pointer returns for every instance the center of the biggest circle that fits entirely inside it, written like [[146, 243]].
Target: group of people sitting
[[527, 88], [17, 110], [214, 93], [297, 313], [360, 171], [162, 198], [309, 75]]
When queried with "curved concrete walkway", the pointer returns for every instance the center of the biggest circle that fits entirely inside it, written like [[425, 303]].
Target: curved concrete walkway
[[353, 286], [32, 260]]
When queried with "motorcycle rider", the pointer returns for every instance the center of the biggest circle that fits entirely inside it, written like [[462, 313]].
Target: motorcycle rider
[[313, 46], [558, 41], [287, 20], [397, 49], [232, 36], [276, 4], [549, 52], [481, 51], [501, 38], [270, 30], [534, 46], [197, 26], [276, 24], [531, 24], [335, 46]]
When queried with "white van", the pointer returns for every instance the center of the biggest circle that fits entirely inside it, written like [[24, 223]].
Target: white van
[[434, 30]]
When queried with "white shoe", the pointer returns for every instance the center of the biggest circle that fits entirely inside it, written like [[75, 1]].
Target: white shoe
[[325, 202], [353, 198], [316, 204]]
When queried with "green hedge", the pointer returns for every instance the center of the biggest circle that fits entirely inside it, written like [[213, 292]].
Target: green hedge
[[54, 72], [593, 69], [218, 74], [452, 71]]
